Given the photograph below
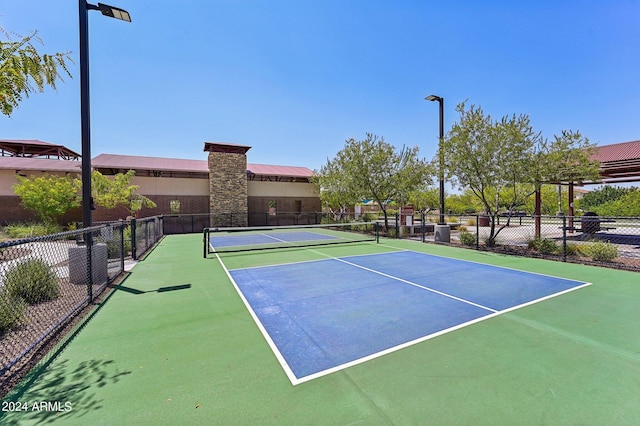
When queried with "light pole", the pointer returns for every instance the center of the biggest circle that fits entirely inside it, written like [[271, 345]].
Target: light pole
[[444, 233], [113, 12]]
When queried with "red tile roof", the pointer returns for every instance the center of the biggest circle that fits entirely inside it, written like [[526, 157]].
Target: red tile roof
[[288, 171], [126, 162], [617, 152], [619, 162]]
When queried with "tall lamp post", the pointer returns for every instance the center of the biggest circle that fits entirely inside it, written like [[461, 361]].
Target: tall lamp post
[[442, 231], [112, 12]]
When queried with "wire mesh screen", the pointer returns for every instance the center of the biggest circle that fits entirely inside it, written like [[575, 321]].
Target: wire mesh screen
[[589, 239], [45, 282], [145, 233]]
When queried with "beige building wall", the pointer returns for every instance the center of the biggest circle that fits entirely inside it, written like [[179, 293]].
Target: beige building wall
[[8, 179], [280, 189], [150, 186]]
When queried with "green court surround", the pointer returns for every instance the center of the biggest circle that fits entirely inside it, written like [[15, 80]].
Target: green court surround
[[191, 354]]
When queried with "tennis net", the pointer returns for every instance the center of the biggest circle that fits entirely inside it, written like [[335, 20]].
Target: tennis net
[[236, 239]]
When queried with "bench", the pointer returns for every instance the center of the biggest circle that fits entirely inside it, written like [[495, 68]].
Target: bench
[[590, 225]]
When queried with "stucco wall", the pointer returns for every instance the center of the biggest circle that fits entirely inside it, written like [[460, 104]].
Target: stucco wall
[[170, 186], [280, 189]]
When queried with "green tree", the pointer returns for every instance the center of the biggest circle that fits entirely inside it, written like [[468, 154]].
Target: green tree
[[463, 203], [373, 169], [490, 158], [504, 162], [48, 196], [23, 70], [626, 205], [425, 198], [549, 197], [607, 194], [565, 159], [118, 191], [336, 195]]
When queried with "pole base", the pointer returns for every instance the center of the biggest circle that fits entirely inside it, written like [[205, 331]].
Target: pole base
[[442, 233]]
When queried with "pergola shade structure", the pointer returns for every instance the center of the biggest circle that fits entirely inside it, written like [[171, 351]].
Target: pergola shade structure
[[619, 162], [35, 149]]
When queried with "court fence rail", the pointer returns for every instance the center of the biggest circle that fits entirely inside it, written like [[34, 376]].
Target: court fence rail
[[47, 282], [603, 241]]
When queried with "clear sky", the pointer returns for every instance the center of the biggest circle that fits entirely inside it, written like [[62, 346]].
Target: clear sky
[[294, 79]]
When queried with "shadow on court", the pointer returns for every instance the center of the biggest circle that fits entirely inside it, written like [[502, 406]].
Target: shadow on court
[[66, 392], [132, 290]]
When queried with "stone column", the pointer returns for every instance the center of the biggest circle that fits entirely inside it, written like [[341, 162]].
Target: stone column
[[227, 184]]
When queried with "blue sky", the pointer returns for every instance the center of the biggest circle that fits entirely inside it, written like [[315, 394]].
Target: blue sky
[[294, 79]]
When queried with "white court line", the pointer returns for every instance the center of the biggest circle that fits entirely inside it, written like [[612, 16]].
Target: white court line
[[292, 377], [418, 285]]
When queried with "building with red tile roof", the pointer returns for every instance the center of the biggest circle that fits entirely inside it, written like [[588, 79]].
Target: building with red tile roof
[[177, 186]]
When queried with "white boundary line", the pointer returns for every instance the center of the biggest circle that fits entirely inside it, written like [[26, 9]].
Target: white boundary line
[[493, 313], [487, 264], [418, 285], [292, 377]]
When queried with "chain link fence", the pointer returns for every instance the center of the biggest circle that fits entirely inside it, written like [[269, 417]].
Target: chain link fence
[[47, 282], [588, 239]]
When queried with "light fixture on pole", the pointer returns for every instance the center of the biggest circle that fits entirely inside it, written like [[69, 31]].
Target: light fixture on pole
[[444, 233], [113, 12]]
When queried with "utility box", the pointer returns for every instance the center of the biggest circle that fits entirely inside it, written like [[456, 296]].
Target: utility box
[[78, 264], [442, 233]]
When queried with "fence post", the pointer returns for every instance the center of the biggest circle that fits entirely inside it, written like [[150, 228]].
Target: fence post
[[88, 238], [564, 238], [122, 245], [423, 217], [477, 232], [133, 239]]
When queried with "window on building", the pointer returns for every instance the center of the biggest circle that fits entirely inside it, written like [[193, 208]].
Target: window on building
[[174, 206]]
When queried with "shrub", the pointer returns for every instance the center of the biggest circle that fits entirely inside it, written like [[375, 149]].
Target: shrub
[[547, 246], [12, 311], [27, 230], [601, 251], [471, 222], [543, 245], [114, 245], [468, 239], [573, 249], [32, 280], [369, 217]]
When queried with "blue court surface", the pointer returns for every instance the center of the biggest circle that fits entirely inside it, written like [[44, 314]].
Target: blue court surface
[[323, 316], [266, 238]]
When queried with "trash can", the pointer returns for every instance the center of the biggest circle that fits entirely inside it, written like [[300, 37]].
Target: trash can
[[484, 221], [590, 223]]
